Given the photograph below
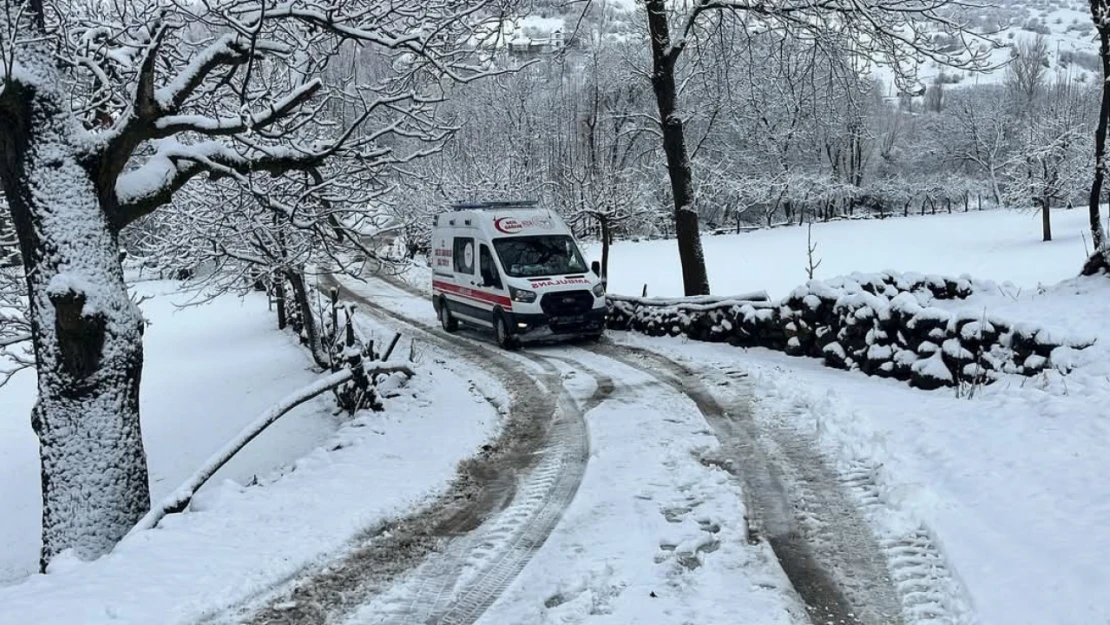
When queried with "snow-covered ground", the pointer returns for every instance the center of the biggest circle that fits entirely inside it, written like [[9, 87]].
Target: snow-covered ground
[[1011, 483], [990, 245], [655, 533], [320, 479], [209, 370]]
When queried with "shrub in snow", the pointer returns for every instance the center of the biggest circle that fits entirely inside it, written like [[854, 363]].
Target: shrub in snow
[[881, 324]]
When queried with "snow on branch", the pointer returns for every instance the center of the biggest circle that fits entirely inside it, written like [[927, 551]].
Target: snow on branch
[[886, 32], [15, 329], [179, 499], [169, 125], [247, 87]]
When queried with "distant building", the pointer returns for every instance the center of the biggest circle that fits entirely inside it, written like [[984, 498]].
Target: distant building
[[523, 45], [525, 37]]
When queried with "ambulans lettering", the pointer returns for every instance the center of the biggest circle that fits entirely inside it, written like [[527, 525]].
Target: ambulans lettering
[[546, 283], [512, 225], [443, 256]]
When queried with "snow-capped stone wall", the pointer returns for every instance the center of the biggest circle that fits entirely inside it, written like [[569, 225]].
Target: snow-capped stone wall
[[882, 324]]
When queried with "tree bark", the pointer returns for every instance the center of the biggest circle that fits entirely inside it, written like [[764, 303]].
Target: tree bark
[[278, 287], [1046, 219], [87, 333], [606, 239], [300, 295], [1097, 236], [694, 278]]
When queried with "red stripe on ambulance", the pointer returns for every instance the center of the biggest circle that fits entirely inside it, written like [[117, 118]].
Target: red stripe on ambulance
[[472, 294]]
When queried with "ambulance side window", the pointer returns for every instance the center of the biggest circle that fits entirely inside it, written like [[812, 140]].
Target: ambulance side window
[[490, 276], [464, 255]]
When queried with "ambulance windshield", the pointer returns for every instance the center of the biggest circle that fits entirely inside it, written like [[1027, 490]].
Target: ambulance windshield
[[532, 257]]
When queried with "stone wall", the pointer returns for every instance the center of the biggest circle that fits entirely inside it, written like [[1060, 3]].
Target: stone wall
[[881, 324]]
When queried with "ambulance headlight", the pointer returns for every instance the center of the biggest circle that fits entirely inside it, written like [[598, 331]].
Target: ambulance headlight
[[521, 295], [599, 289]]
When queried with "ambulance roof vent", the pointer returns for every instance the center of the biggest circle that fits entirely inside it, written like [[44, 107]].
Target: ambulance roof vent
[[500, 204]]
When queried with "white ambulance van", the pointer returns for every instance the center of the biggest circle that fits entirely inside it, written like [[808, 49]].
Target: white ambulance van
[[513, 268]]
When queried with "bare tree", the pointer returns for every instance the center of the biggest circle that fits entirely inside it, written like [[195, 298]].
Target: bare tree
[[934, 96], [870, 30], [1049, 166], [979, 132], [1027, 71], [106, 112]]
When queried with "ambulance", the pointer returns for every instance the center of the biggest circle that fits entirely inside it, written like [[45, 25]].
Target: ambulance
[[513, 268]]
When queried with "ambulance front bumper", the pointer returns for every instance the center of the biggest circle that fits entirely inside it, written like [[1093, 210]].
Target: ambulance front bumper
[[537, 326]]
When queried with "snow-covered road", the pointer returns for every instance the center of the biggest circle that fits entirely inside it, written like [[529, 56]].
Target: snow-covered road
[[685, 512]]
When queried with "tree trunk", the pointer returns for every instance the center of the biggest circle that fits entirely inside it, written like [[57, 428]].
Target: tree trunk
[[312, 331], [1046, 219], [606, 238], [87, 333], [694, 278], [278, 286], [996, 191], [1100, 131]]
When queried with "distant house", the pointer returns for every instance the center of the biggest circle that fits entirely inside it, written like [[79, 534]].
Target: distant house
[[527, 37], [523, 45]]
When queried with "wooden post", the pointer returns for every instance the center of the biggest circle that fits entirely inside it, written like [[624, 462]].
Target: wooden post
[[334, 293], [392, 344]]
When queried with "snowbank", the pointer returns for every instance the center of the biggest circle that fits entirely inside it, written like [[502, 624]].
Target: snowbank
[[280, 506], [209, 369]]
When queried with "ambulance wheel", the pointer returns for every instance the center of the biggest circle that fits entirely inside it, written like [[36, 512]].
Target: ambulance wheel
[[449, 323], [501, 333]]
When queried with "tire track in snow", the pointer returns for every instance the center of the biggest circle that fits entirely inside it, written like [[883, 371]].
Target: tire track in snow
[[794, 500], [484, 484], [503, 505], [930, 592], [517, 532], [481, 566]]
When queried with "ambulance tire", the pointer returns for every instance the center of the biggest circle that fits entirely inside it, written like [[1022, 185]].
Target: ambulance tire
[[446, 319], [501, 334]]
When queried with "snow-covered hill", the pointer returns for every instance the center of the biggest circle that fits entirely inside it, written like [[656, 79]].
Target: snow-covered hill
[[1065, 25]]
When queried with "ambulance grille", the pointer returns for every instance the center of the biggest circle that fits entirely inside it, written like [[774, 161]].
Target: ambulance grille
[[567, 303]]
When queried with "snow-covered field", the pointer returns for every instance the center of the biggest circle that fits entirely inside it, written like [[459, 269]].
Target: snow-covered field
[[210, 370], [990, 245]]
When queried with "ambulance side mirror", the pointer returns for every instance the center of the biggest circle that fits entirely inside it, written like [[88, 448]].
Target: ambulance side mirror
[[596, 268]]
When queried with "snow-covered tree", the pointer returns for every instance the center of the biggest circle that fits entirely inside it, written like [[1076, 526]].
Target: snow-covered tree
[[859, 32], [1051, 163], [107, 110], [1100, 14], [978, 132]]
